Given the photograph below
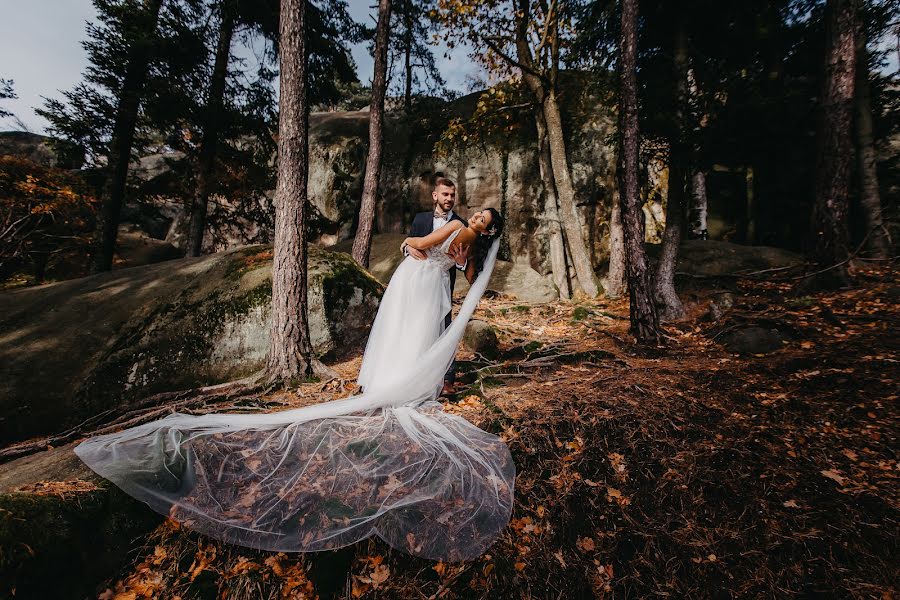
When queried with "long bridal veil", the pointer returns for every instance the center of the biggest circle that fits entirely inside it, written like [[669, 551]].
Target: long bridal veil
[[388, 462]]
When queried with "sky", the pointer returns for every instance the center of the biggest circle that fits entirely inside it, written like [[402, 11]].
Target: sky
[[40, 50]]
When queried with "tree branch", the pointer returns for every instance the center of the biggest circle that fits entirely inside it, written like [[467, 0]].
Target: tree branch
[[496, 49]]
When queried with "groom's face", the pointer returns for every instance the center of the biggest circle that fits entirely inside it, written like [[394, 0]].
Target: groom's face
[[444, 196]]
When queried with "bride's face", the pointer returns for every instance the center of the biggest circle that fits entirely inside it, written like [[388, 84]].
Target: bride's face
[[481, 221]]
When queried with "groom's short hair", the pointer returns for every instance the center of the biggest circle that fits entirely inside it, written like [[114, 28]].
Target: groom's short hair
[[445, 181]]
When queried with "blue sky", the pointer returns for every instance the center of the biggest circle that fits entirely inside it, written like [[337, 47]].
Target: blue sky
[[40, 49]]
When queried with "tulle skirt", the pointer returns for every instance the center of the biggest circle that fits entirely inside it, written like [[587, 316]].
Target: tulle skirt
[[388, 462], [410, 319]]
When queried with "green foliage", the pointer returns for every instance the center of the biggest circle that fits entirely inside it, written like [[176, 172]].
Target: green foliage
[[501, 115], [411, 31], [580, 313], [6, 93]]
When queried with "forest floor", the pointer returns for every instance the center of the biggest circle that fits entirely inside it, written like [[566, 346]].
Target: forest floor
[[681, 472]]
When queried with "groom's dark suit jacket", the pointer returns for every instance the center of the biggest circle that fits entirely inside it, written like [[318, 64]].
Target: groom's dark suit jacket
[[422, 225]]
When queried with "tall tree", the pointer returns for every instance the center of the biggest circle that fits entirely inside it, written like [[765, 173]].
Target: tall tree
[[616, 282], [699, 206], [664, 283], [362, 243], [644, 319], [410, 50], [869, 195], [543, 85], [558, 265], [290, 348], [829, 231], [528, 42], [212, 119], [140, 47]]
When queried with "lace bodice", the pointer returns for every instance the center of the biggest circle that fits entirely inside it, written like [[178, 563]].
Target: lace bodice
[[437, 255]]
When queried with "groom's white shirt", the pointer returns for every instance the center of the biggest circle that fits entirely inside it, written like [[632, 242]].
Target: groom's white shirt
[[438, 222]]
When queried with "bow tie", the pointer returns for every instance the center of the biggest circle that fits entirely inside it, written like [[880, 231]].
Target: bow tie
[[439, 215]]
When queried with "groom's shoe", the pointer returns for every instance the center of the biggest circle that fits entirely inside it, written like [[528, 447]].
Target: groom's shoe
[[447, 391]]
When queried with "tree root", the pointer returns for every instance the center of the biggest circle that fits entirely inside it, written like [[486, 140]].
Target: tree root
[[144, 410]]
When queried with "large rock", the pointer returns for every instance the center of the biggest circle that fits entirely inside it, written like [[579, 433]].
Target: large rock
[[40, 149], [519, 280], [481, 338], [72, 349], [753, 340], [511, 278], [500, 172], [63, 529], [711, 258]]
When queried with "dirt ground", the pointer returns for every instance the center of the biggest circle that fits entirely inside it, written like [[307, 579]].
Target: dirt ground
[[682, 472]]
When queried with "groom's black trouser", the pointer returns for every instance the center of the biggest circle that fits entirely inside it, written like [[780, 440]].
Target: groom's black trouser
[[450, 376]]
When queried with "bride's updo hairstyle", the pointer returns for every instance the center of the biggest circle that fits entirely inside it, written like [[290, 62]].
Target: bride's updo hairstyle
[[483, 242]]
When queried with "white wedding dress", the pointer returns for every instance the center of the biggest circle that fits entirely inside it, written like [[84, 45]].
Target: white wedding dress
[[388, 462]]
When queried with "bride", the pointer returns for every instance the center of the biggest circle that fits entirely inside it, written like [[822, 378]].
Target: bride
[[388, 462]]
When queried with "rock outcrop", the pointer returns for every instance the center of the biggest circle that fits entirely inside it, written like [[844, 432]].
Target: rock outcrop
[[63, 529], [73, 349], [711, 258], [516, 279], [500, 172], [40, 149]]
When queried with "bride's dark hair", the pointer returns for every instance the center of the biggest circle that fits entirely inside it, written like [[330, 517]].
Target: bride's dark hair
[[483, 242]]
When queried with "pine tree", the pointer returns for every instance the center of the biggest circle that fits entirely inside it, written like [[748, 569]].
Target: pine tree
[[290, 349], [829, 232], [6, 93], [362, 243], [644, 320]]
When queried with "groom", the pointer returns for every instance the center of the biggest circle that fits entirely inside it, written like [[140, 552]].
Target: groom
[[444, 196]]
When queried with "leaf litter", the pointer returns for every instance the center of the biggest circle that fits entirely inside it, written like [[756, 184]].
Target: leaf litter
[[682, 472]]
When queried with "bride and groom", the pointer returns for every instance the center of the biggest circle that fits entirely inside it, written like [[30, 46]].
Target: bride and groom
[[387, 462], [418, 301]]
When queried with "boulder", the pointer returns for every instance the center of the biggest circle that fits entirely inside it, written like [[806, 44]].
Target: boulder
[[518, 280], [711, 258], [481, 338], [753, 340], [514, 279], [76, 348], [58, 518], [40, 149]]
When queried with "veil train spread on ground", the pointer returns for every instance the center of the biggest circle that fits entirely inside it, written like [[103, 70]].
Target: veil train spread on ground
[[388, 462]]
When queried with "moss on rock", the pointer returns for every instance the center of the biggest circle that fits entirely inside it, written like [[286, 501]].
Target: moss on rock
[[62, 546]]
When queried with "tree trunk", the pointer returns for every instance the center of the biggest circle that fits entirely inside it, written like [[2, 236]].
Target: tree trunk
[[545, 96], [615, 285], [211, 127], [830, 236], [571, 220], [290, 350], [664, 288], [644, 320], [123, 138], [407, 55], [362, 243], [698, 206], [877, 242], [551, 213], [410, 195]]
